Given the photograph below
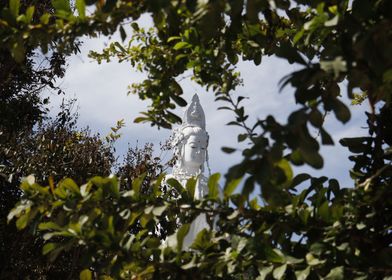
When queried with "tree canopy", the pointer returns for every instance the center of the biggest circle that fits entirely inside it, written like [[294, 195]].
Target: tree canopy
[[305, 227]]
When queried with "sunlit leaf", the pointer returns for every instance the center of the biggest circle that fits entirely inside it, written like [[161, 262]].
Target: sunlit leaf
[[279, 271], [213, 186], [81, 7], [86, 274], [14, 7], [231, 186], [302, 274]]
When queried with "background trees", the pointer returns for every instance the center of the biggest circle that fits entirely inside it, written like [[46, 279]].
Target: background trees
[[306, 226], [57, 149], [21, 84], [52, 151]]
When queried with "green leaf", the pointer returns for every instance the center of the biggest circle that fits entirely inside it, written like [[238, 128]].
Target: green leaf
[[286, 167], [61, 5], [228, 150], [30, 13], [70, 185], [213, 186], [21, 223], [85, 189], [317, 248], [157, 184], [135, 26], [302, 274], [202, 240], [287, 51], [179, 100], [257, 58], [274, 255], [336, 273], [44, 19], [181, 233], [49, 225], [311, 157], [182, 45], [298, 36], [296, 157], [304, 214], [231, 186], [86, 275], [264, 272], [312, 260], [332, 22], [234, 123], [137, 183], [242, 137], [176, 185], [123, 34], [233, 215], [157, 211], [145, 219], [324, 212], [180, 56], [341, 111], [21, 208], [326, 139], [248, 187], [18, 51], [316, 118], [113, 185], [173, 38], [48, 247], [279, 271], [190, 264], [142, 119], [14, 7], [386, 77], [81, 7], [191, 186], [254, 204], [298, 179], [253, 44], [173, 118], [360, 226]]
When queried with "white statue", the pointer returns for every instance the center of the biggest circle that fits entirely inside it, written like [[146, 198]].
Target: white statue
[[190, 143]]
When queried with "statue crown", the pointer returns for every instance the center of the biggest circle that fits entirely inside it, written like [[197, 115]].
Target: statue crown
[[194, 114]]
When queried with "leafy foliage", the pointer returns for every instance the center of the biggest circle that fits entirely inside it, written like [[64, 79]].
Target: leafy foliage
[[56, 149], [306, 227], [21, 84], [250, 240]]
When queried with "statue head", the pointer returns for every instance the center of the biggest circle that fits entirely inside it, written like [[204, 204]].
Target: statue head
[[190, 141]]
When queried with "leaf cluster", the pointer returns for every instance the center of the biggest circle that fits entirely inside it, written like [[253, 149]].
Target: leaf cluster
[[305, 227], [307, 238]]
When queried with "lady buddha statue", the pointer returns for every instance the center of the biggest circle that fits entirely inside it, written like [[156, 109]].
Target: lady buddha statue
[[190, 143]]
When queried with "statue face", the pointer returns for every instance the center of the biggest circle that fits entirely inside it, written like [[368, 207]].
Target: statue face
[[195, 151]]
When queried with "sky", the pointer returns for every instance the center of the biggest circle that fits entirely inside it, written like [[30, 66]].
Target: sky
[[101, 93]]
